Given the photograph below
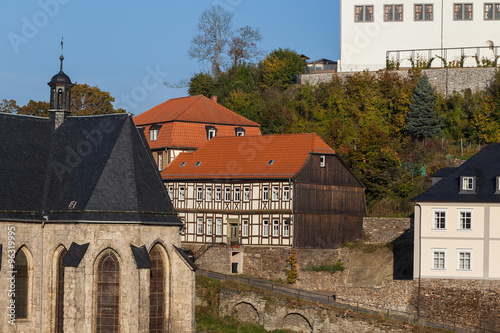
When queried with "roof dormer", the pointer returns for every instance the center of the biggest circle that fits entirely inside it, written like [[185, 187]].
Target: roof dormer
[[154, 130], [239, 131], [468, 185], [211, 131]]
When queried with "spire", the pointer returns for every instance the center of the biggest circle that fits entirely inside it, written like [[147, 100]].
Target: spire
[[62, 57], [60, 95]]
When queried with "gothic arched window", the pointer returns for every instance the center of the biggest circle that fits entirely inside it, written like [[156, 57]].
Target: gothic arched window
[[108, 293], [21, 296], [157, 320], [59, 314]]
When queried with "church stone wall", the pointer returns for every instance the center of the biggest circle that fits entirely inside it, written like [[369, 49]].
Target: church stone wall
[[79, 296]]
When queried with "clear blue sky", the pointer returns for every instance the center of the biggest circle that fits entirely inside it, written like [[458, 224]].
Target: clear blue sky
[[128, 47]]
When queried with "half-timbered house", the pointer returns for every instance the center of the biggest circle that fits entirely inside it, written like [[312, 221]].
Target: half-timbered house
[[274, 190], [185, 124]]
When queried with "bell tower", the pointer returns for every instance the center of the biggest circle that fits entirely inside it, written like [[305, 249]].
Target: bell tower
[[60, 96]]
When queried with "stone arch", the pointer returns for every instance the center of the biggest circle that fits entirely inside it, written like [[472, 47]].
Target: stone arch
[[58, 289], [246, 312], [23, 282], [297, 322], [107, 291], [159, 292]]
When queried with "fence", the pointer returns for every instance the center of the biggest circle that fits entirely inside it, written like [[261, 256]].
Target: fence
[[349, 304]]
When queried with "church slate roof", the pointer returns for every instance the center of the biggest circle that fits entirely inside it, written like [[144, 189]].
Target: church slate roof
[[96, 169], [484, 166]]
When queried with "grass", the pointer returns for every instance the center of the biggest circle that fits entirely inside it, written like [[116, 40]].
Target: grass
[[215, 324], [332, 268]]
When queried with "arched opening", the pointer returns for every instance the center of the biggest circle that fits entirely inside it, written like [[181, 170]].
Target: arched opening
[[108, 293], [21, 282], [297, 322], [59, 287], [157, 293], [246, 312]]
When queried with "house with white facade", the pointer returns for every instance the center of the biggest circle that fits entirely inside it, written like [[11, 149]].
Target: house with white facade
[[457, 232], [274, 190], [369, 29]]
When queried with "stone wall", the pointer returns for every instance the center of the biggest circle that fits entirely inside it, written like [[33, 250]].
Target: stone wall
[[445, 80], [384, 230]]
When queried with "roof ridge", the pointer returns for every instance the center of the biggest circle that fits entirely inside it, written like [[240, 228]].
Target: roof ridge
[[195, 99]]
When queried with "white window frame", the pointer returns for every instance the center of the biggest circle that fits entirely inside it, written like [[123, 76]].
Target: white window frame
[[322, 161], [275, 193], [433, 259], [237, 194], [246, 194], [244, 228], [265, 228], [199, 225], [435, 225], [183, 230], [265, 193], [227, 194], [286, 193], [276, 228], [211, 133], [208, 194], [199, 193], [462, 214], [160, 161], [209, 226], [286, 228], [218, 226], [459, 260], [171, 192], [182, 193], [468, 183], [218, 193], [153, 134]]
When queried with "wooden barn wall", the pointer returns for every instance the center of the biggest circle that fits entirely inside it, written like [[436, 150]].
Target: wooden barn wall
[[335, 172], [326, 231]]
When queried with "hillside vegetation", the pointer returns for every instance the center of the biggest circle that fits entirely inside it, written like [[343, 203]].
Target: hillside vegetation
[[366, 119]]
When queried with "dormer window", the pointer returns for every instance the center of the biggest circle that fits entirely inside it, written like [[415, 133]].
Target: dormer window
[[497, 190], [240, 131], [211, 131], [153, 132], [467, 184]]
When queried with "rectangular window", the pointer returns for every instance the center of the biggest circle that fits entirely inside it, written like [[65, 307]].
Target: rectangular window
[[218, 227], [462, 11], [199, 193], [237, 194], [424, 12], [199, 226], [492, 11], [244, 229], [464, 260], [286, 229], [246, 194], [393, 12], [465, 222], [286, 193], [265, 193], [363, 13], [183, 229], [276, 228], [276, 193], [209, 226], [211, 134], [160, 162], [467, 183], [227, 194], [153, 134], [208, 194], [322, 161], [438, 259], [218, 194], [181, 193], [171, 192], [265, 228], [439, 219]]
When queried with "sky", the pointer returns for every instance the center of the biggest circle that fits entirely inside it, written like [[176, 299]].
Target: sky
[[129, 48]]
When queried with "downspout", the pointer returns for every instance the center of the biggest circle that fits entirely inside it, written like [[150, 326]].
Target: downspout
[[45, 219], [419, 258]]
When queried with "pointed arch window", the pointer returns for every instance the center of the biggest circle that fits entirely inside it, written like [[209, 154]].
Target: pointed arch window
[[21, 296], [59, 313], [157, 291], [108, 293]]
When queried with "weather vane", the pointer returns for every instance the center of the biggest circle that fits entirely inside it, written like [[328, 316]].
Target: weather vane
[[62, 57]]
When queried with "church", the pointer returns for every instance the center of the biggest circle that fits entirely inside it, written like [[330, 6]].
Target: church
[[89, 240]]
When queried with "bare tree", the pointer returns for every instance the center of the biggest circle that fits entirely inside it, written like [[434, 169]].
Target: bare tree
[[214, 32], [243, 45]]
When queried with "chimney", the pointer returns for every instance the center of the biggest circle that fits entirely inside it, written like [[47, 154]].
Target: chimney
[[214, 98]]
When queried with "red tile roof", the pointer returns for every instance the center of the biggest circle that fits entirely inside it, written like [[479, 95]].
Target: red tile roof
[[198, 109], [248, 157]]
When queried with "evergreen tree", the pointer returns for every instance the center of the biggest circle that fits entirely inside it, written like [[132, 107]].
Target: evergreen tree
[[422, 120]]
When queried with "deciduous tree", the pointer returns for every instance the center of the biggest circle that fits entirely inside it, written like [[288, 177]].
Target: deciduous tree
[[8, 106], [243, 45], [280, 67]]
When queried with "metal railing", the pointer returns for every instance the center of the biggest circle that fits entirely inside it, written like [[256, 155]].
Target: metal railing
[[412, 317]]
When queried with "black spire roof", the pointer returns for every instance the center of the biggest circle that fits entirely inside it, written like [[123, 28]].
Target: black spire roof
[[97, 169], [484, 166]]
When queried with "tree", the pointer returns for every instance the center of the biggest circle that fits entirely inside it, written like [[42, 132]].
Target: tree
[[243, 45], [201, 84], [87, 101], [214, 32], [33, 108], [280, 67], [422, 120], [8, 106]]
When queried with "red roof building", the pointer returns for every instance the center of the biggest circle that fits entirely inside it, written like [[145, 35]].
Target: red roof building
[[288, 190], [185, 124]]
